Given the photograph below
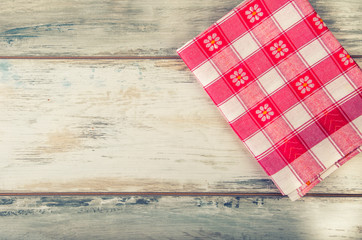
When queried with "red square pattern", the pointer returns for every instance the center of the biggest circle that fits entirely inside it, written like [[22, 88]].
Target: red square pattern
[[332, 121], [212, 41], [353, 107], [244, 126], [259, 63], [284, 98], [277, 130], [306, 167], [355, 74], [272, 163], [330, 41], [304, 6], [292, 66], [279, 49], [232, 27], [251, 94], [225, 59], [192, 55], [239, 77], [266, 31], [326, 70], [317, 23], [344, 59], [318, 102], [291, 149], [253, 13], [219, 91], [312, 135], [275, 5], [346, 139], [294, 34], [305, 84], [264, 112]]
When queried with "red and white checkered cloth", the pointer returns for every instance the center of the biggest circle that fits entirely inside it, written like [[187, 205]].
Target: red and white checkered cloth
[[285, 85]]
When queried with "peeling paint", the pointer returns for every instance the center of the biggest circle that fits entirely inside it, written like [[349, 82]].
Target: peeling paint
[[61, 141], [21, 33]]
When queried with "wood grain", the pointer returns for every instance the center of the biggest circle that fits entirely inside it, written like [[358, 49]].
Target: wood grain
[[150, 217], [135, 28], [140, 125], [124, 126]]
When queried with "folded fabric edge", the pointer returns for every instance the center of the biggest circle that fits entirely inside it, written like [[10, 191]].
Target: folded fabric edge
[[245, 2], [300, 192], [303, 190]]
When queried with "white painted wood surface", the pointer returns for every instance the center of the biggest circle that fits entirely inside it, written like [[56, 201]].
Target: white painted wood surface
[[141, 126], [224, 218], [123, 125], [135, 27]]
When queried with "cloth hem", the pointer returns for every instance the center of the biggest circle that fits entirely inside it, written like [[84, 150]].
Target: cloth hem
[[301, 191]]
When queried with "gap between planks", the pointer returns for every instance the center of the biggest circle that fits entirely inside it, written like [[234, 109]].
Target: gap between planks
[[187, 194], [104, 57], [94, 57]]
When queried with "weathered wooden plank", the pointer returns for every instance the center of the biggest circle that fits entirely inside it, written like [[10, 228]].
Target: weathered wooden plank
[[124, 125], [179, 218], [141, 28]]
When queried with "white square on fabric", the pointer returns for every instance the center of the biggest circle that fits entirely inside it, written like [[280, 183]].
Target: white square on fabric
[[358, 123], [232, 109], [339, 88], [245, 45], [206, 73], [286, 180], [313, 52], [258, 143], [271, 81], [287, 16], [326, 153], [328, 171], [297, 116]]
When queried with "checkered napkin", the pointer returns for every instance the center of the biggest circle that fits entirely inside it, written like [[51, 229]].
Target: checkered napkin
[[286, 86]]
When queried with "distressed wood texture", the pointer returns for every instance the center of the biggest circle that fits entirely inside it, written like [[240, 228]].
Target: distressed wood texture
[[135, 28], [225, 218], [123, 125]]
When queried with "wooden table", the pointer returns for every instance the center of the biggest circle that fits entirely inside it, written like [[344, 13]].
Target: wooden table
[[105, 134]]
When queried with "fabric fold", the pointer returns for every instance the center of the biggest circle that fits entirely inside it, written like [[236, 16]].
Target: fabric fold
[[286, 86]]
